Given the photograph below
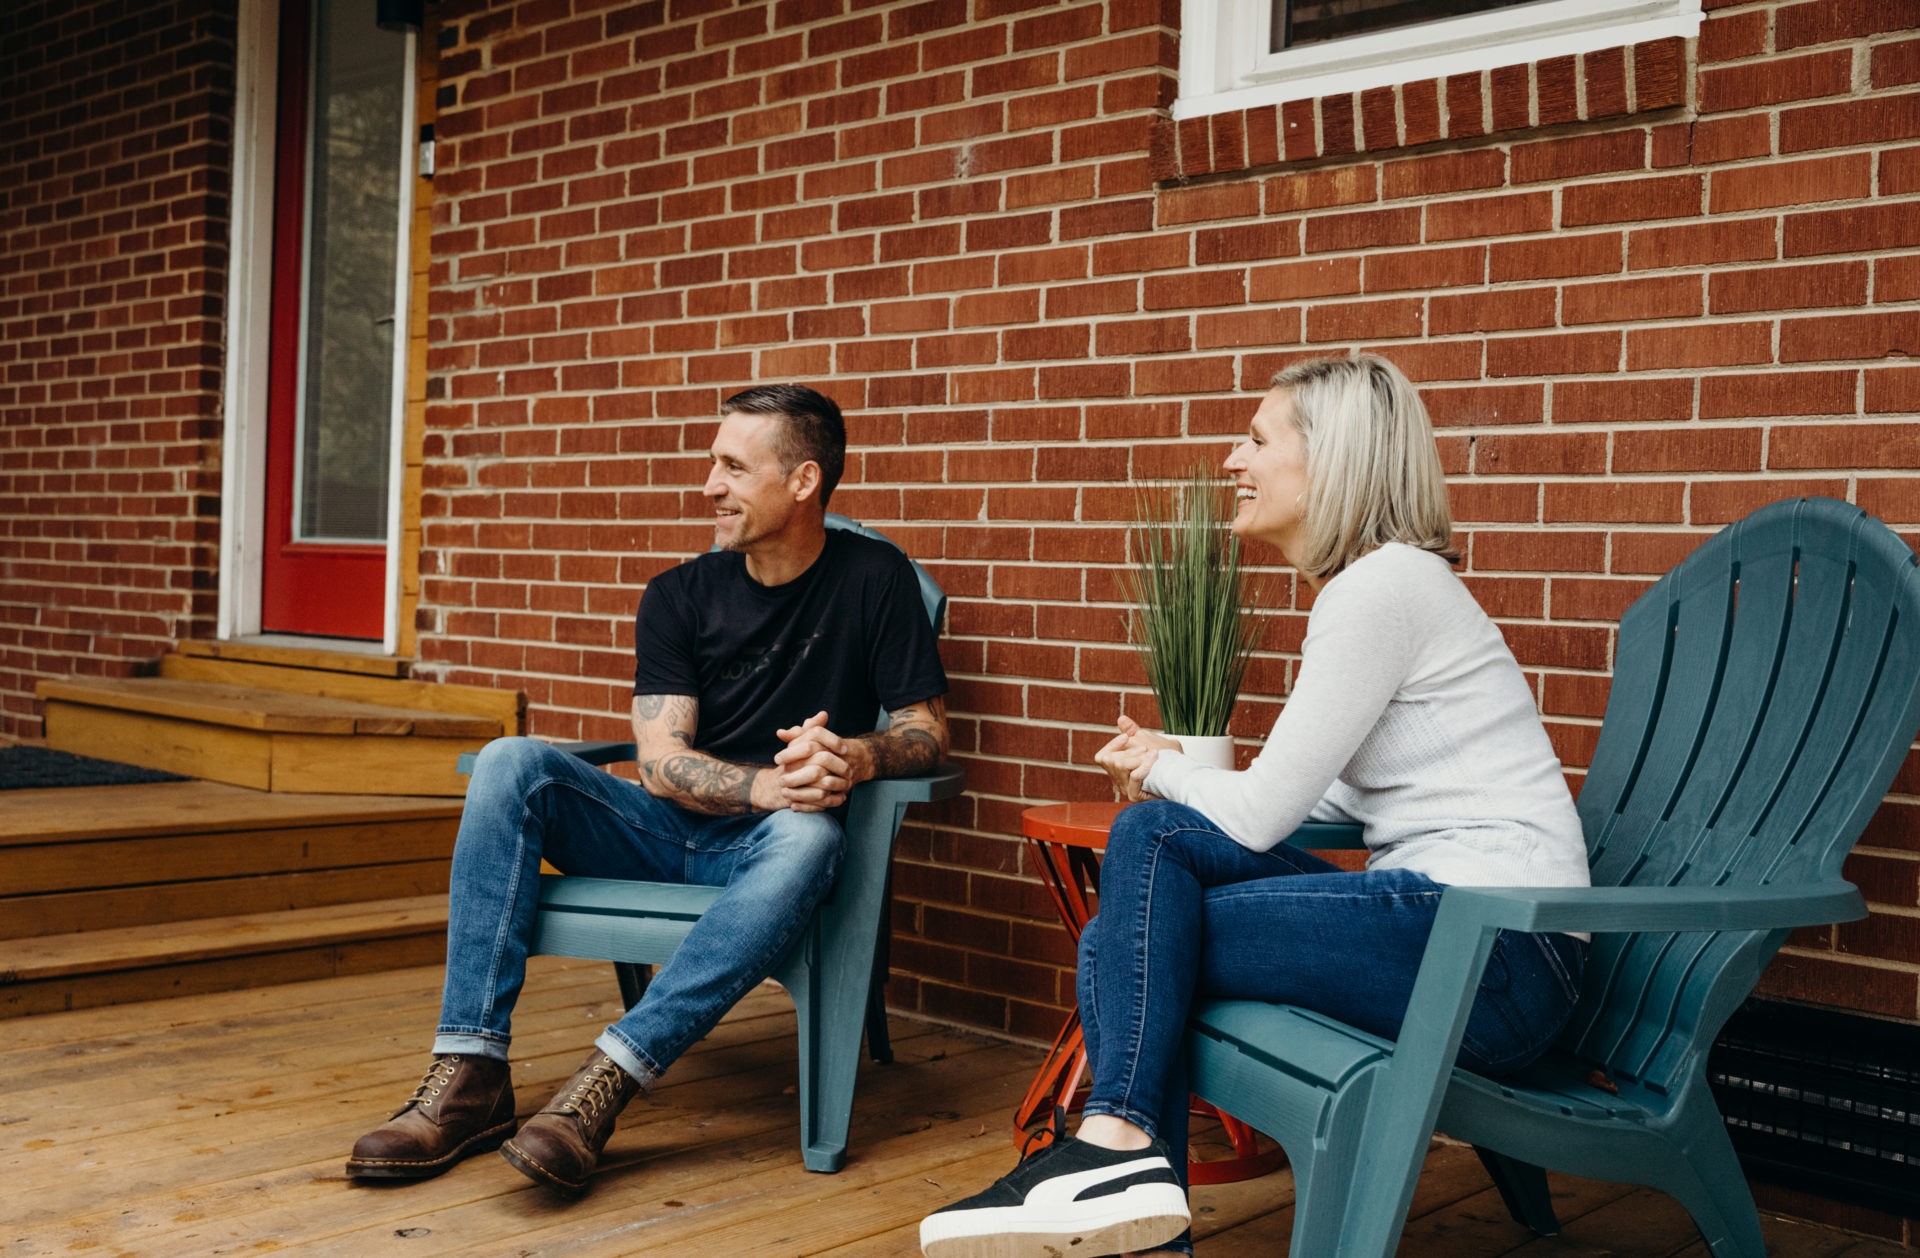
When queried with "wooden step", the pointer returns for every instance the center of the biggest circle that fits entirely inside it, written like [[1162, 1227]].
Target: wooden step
[[308, 672], [259, 708], [161, 808], [54, 913], [268, 740], [104, 967], [115, 856], [359, 663]]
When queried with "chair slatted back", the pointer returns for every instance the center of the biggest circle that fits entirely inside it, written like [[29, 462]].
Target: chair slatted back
[[931, 596], [1757, 690]]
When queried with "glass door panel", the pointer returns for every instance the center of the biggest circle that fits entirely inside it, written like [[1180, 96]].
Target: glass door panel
[[353, 227]]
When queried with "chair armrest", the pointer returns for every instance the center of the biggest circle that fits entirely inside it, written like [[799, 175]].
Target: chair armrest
[[599, 752], [1326, 835], [944, 782], [1676, 909]]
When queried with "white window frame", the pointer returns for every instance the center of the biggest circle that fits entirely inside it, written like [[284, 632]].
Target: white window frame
[[249, 320], [1224, 65]]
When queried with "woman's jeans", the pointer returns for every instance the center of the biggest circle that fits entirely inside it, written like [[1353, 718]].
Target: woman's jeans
[[1185, 912], [527, 801]]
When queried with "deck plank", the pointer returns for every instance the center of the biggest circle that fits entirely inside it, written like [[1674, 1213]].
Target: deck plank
[[49, 814], [218, 1124], [169, 943]]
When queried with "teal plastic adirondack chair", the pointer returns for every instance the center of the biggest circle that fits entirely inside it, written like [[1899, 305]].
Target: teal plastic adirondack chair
[[1764, 694], [830, 971]]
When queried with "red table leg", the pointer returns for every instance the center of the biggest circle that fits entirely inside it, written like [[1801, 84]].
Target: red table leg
[[1054, 1086]]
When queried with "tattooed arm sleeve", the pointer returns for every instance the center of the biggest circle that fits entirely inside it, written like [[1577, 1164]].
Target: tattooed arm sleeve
[[914, 742], [670, 768]]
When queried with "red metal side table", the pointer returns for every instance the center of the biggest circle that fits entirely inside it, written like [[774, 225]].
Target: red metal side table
[[1066, 840]]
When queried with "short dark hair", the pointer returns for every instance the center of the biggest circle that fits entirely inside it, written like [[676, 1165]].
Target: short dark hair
[[814, 429]]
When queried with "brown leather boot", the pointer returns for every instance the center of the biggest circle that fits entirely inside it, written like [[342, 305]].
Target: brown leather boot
[[464, 1105], [559, 1146]]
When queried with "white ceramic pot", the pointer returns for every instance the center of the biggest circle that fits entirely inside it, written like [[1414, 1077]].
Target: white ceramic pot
[[1213, 750]]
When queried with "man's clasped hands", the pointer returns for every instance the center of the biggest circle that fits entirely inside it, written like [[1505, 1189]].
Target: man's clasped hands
[[817, 766]]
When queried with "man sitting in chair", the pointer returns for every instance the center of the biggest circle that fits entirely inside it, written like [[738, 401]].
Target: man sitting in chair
[[761, 668]]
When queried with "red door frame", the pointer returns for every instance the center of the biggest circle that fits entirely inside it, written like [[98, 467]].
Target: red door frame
[[331, 589]]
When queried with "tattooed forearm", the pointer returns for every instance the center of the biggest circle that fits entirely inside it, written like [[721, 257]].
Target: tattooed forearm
[[707, 784], [664, 728], [900, 753], [914, 743]]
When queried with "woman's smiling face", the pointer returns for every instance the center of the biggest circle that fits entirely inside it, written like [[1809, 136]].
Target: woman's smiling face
[[1269, 471]]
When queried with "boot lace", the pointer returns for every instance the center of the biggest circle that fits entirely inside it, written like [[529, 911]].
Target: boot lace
[[439, 1076], [596, 1090]]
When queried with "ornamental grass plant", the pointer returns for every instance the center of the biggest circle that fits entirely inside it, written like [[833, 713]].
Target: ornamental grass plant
[[1191, 622]]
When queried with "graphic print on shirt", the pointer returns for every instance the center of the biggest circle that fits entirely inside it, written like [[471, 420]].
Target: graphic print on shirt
[[792, 654]]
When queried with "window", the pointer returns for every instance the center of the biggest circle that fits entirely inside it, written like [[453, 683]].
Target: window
[[1298, 22], [1239, 54]]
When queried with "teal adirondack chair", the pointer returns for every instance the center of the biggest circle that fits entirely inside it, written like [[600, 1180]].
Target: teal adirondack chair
[[832, 973], [1764, 694]]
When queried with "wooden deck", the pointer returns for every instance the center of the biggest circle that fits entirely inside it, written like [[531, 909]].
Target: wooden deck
[[217, 1124]]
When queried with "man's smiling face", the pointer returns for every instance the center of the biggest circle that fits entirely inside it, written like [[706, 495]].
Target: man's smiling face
[[752, 494]]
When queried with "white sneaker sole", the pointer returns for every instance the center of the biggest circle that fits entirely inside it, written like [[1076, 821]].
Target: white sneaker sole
[[1142, 1217]]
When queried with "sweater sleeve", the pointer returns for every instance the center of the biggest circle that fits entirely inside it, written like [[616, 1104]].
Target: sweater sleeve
[[1359, 650]]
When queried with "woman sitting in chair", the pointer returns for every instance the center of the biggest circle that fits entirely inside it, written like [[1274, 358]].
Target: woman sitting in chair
[[1408, 716]]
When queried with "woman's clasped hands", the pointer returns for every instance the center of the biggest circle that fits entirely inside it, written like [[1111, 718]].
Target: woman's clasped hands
[[1129, 757]]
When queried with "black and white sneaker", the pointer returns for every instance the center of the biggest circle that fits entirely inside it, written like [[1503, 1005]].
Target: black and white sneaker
[[1070, 1198]]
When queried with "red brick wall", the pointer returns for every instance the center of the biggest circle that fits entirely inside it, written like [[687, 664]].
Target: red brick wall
[[1644, 293], [114, 131]]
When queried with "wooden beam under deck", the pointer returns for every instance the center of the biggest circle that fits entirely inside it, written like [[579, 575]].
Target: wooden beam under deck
[[218, 1123]]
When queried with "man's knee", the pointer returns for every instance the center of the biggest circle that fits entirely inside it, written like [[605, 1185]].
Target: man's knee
[[513, 764], [507, 776], [810, 841]]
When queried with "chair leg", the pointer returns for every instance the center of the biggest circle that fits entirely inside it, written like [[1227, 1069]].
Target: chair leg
[[1708, 1181], [1523, 1187], [830, 1023], [1321, 1187], [879, 1042], [1326, 1170], [633, 979]]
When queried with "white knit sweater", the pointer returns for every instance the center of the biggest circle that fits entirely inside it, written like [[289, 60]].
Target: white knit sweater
[[1409, 716]]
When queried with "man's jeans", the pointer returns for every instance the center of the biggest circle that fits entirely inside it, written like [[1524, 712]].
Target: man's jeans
[[527, 801], [1186, 911]]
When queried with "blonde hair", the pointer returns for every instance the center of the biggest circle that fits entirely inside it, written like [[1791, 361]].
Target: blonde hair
[[1373, 470]]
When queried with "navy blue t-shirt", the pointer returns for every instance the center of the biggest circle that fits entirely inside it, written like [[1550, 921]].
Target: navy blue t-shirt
[[849, 635]]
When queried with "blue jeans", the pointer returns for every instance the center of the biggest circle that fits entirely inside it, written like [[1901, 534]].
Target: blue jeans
[[1185, 912], [526, 801]]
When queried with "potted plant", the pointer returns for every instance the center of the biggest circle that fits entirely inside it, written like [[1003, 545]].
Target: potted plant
[[1191, 623]]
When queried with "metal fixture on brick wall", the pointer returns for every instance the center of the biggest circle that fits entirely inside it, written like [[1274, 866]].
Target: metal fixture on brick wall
[[1823, 1101]]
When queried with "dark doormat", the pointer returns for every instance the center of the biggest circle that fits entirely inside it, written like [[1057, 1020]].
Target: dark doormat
[[24, 767]]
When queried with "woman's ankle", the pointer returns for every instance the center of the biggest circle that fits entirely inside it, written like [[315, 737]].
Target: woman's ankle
[[1107, 1131]]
